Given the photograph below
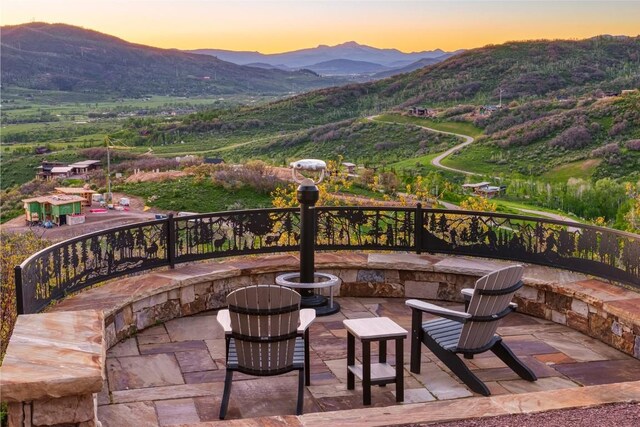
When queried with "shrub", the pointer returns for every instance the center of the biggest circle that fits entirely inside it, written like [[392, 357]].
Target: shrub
[[255, 174], [573, 138], [606, 150], [15, 249], [618, 128], [455, 111], [633, 145], [387, 145]]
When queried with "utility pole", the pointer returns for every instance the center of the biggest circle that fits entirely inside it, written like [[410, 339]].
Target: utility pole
[[500, 104], [108, 198]]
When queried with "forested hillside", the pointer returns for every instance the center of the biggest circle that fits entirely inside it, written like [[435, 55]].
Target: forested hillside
[[522, 70], [68, 58], [537, 136]]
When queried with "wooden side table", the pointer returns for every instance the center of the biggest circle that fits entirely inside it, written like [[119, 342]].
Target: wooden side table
[[380, 329]]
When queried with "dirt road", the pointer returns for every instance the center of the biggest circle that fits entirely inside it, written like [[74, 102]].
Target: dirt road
[[93, 221]]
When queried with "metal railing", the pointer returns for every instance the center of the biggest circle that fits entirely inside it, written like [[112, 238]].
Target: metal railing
[[83, 261]]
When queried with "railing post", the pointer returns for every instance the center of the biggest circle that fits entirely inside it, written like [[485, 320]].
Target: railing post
[[171, 241], [418, 229], [18, 282]]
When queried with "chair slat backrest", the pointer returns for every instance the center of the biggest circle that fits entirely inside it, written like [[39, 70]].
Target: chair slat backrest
[[264, 322], [477, 334]]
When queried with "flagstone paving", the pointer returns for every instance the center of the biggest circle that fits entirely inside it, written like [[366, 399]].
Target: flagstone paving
[[174, 373]]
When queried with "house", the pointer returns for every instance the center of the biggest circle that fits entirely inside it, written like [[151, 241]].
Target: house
[[472, 187], [49, 170], [41, 150], [490, 191], [83, 167], [484, 189], [213, 161], [487, 110], [85, 193], [55, 208], [422, 112], [61, 172], [45, 168]]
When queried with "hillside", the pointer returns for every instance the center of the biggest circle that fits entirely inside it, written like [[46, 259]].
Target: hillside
[[530, 73], [523, 70], [599, 137], [68, 58]]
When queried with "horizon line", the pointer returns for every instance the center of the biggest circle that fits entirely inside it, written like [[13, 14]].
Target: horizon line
[[327, 45]]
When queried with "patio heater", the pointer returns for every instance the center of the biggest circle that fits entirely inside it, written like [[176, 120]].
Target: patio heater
[[306, 280]]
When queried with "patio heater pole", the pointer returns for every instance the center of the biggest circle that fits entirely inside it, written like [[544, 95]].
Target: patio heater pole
[[307, 279], [307, 195]]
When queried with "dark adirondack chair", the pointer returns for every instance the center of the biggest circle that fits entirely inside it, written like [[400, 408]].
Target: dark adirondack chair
[[470, 332], [266, 334]]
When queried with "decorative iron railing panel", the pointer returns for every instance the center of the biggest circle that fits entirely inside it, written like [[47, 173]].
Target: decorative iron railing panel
[[593, 250], [83, 261], [365, 228], [74, 264], [236, 233]]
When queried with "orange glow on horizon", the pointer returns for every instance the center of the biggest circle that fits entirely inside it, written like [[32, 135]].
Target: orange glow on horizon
[[278, 26]]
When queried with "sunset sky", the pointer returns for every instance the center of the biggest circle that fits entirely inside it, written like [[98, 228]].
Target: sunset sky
[[277, 26]]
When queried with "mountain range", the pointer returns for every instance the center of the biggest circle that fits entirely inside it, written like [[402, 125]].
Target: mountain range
[[348, 58], [64, 57], [39, 55]]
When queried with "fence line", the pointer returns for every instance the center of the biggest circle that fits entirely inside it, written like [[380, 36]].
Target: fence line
[[83, 261]]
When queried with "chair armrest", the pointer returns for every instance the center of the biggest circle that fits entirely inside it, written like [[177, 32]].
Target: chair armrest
[[458, 316], [307, 316], [224, 319], [467, 292]]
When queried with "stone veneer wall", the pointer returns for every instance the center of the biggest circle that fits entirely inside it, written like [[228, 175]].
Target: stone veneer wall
[[596, 308]]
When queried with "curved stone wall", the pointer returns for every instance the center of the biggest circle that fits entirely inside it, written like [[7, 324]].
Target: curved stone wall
[[601, 310]]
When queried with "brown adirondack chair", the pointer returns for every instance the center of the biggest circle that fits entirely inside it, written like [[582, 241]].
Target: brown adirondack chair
[[266, 334], [470, 332]]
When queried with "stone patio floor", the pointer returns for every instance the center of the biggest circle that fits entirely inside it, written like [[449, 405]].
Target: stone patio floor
[[174, 373]]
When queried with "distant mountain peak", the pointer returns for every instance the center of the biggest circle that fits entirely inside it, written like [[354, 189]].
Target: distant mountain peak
[[350, 50], [349, 44]]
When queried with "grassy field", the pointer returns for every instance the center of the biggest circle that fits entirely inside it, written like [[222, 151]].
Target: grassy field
[[509, 206], [463, 128], [187, 195], [583, 169], [422, 162]]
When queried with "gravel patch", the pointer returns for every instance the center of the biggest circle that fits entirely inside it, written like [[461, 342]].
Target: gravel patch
[[614, 415]]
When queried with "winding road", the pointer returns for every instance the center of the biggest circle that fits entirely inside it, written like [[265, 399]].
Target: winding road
[[437, 162]]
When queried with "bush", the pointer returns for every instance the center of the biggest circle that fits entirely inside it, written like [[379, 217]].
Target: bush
[[618, 128], [15, 249], [254, 174], [606, 150], [456, 111], [633, 145], [573, 138]]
